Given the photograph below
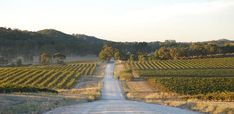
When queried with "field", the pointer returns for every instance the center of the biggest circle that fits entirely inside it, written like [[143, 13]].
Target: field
[[196, 85], [205, 85], [196, 76], [211, 63], [188, 73], [39, 78], [30, 98]]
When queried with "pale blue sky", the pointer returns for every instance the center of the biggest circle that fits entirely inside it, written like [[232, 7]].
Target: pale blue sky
[[125, 20]]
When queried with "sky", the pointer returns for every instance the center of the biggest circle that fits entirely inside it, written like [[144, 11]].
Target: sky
[[125, 20]]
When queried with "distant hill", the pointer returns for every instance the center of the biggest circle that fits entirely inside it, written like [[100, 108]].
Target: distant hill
[[14, 43], [26, 43], [223, 40]]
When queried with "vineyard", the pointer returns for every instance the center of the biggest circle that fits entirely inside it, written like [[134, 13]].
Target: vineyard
[[188, 73], [213, 67], [51, 76], [195, 85], [211, 63], [190, 77], [82, 68]]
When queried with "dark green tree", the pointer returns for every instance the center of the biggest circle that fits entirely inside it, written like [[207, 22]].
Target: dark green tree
[[19, 62], [59, 58], [45, 58], [117, 55], [131, 58], [3, 61], [107, 53], [164, 53], [141, 57]]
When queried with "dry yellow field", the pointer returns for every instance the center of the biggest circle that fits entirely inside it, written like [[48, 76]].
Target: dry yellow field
[[140, 86]]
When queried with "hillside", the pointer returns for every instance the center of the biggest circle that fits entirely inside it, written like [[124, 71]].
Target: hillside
[[27, 44], [15, 43]]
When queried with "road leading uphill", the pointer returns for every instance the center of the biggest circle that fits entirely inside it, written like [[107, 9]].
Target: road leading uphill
[[113, 102]]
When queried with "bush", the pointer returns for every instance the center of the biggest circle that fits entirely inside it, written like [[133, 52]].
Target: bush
[[126, 75]]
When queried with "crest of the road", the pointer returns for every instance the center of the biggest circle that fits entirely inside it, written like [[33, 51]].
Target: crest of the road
[[113, 102]]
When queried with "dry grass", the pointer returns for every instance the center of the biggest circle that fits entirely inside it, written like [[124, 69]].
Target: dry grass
[[121, 72], [142, 91], [140, 86], [90, 86], [210, 107], [119, 67], [126, 75], [32, 103], [83, 93]]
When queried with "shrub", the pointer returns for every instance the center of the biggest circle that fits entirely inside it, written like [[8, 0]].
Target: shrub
[[126, 75]]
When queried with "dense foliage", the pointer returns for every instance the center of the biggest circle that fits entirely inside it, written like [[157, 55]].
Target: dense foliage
[[108, 52]]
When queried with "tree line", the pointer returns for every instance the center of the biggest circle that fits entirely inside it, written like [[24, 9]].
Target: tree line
[[195, 50]]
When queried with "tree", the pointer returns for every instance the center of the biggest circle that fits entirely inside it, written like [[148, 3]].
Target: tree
[[151, 57], [102, 55], [198, 49], [45, 58], [164, 53], [212, 49], [131, 57], [3, 61], [117, 55], [19, 62], [59, 58], [156, 54], [107, 52], [141, 57]]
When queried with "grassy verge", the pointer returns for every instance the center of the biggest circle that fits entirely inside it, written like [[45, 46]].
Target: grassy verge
[[126, 75], [33, 103], [209, 107], [122, 73]]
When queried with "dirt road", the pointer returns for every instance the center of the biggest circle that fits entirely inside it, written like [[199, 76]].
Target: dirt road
[[111, 87], [113, 102]]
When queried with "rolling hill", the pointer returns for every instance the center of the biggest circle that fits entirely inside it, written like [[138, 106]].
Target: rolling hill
[[14, 43], [26, 43]]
